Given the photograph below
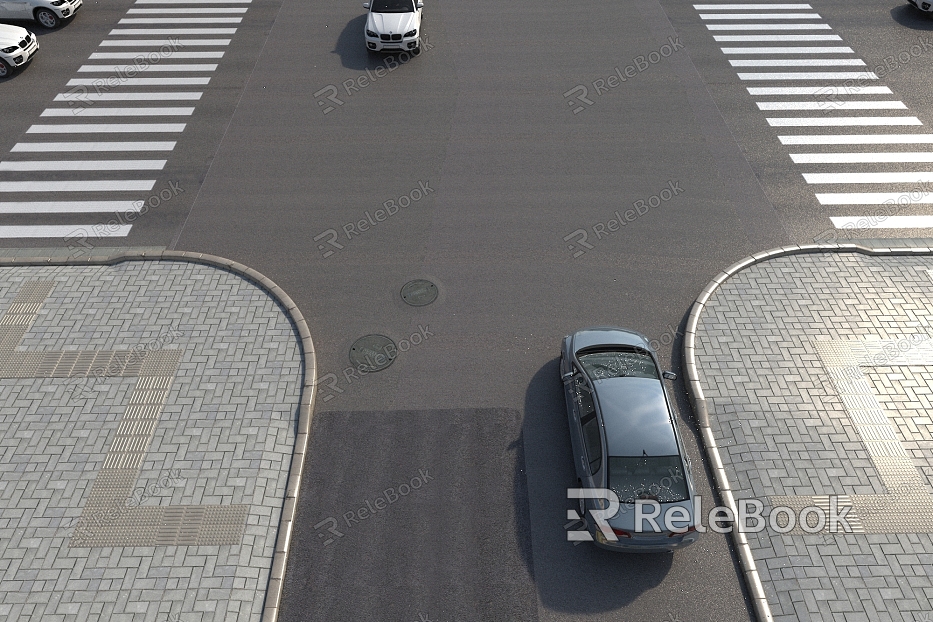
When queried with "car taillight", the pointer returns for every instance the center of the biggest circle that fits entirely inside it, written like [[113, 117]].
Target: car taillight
[[621, 533]]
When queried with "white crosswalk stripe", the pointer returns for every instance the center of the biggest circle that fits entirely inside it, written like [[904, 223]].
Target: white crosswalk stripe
[[822, 112], [130, 86], [850, 105], [64, 232], [853, 158], [83, 165], [68, 207], [166, 145]]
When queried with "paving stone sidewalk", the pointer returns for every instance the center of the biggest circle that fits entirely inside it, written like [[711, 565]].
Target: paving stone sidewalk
[[147, 424], [818, 375]]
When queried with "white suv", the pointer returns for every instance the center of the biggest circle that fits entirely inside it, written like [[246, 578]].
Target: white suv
[[49, 13], [393, 25], [17, 47]]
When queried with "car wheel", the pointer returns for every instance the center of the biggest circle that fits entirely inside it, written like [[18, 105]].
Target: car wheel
[[5, 70], [47, 18]]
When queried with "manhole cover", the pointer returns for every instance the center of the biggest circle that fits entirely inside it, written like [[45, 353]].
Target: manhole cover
[[419, 292], [373, 352]]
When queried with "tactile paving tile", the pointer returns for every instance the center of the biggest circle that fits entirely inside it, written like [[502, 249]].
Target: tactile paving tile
[[189, 525], [222, 432], [799, 503]]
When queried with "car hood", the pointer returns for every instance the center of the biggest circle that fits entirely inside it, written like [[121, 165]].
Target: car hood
[[391, 23], [11, 35]]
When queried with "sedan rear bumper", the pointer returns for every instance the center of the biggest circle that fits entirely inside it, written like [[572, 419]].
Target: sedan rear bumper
[[645, 544]]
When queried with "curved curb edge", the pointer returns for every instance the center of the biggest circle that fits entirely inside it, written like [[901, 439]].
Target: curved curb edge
[[698, 400], [273, 597]]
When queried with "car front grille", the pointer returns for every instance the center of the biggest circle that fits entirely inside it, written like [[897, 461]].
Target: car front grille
[[390, 37]]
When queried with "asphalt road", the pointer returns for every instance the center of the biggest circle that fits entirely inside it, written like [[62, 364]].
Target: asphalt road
[[499, 175]]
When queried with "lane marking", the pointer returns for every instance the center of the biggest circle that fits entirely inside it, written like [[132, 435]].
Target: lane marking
[[95, 146], [875, 198], [827, 105], [162, 42], [760, 16], [836, 49], [69, 207], [890, 222], [193, 1], [798, 62], [857, 139], [819, 90], [869, 178], [840, 121], [762, 38], [95, 128], [768, 27], [751, 7], [810, 75], [64, 231], [84, 165], [180, 20], [139, 69], [857, 158], [144, 81], [211, 11], [172, 31], [87, 185], [111, 97], [142, 55], [117, 112]]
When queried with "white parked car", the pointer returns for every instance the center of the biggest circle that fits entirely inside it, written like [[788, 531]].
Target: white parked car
[[923, 5], [49, 13], [17, 47], [392, 25]]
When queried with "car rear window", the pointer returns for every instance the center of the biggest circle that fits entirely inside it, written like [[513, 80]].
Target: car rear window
[[393, 6], [648, 477], [603, 364]]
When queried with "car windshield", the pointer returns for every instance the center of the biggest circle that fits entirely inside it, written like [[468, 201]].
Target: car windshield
[[634, 363], [648, 477], [393, 6]]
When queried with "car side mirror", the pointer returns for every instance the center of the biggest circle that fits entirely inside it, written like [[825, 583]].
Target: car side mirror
[[420, 5], [365, 5], [669, 375]]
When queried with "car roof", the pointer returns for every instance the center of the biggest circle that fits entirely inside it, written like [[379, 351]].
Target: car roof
[[608, 336], [636, 418]]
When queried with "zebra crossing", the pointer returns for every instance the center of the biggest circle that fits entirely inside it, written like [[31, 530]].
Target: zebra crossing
[[829, 94], [96, 152]]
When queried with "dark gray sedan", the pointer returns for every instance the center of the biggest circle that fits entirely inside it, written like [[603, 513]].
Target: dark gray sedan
[[626, 445]]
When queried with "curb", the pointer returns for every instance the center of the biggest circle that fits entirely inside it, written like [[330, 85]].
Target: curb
[[695, 390], [280, 557]]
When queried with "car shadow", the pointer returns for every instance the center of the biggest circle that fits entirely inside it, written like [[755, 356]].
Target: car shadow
[[35, 27], [581, 579], [15, 73], [352, 48], [912, 17]]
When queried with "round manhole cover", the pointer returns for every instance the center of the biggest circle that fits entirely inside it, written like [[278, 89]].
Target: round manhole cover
[[373, 352], [419, 292]]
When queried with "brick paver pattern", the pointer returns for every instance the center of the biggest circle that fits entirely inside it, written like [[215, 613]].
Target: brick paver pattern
[[818, 374], [147, 416]]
